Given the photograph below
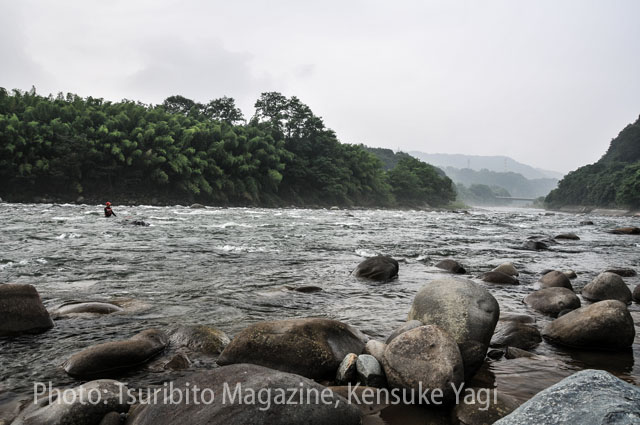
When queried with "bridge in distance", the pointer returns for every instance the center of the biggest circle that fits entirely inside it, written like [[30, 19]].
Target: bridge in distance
[[515, 199]]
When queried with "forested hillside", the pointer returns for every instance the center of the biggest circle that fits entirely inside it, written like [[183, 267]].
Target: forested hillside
[[181, 151], [516, 184], [613, 181]]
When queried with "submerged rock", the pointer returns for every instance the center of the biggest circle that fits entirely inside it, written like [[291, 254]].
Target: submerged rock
[[607, 286], [605, 325], [197, 206], [516, 353], [178, 362], [499, 277], [113, 358], [381, 268], [485, 407], [516, 317], [311, 347], [568, 236], [75, 408], [623, 272], [22, 311], [203, 339], [514, 334], [452, 266], [588, 397], [626, 231], [424, 358], [586, 223], [532, 245], [309, 407], [555, 279], [507, 268], [465, 310], [551, 301], [87, 307]]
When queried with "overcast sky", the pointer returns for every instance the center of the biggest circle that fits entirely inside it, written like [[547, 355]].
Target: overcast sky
[[547, 82]]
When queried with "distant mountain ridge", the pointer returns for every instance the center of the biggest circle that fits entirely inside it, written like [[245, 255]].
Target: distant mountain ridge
[[497, 163]]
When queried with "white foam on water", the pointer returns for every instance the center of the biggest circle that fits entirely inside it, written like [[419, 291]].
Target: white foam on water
[[366, 253], [69, 236]]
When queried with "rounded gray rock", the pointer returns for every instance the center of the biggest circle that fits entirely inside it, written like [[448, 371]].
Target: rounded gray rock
[[200, 338], [607, 286], [22, 311], [605, 325], [551, 301], [555, 279], [312, 347], [411, 324], [452, 266], [113, 358], [464, 309], [507, 268], [88, 307], [370, 372], [514, 334], [347, 370], [376, 349], [381, 268], [500, 278], [424, 358]]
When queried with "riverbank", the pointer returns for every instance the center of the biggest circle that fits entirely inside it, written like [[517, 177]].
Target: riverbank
[[612, 212]]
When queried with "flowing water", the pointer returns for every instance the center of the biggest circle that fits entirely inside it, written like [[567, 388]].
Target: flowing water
[[229, 268]]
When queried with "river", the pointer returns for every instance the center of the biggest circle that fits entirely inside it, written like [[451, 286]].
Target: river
[[231, 267]]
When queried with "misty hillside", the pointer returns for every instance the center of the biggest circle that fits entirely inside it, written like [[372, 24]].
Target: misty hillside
[[492, 163], [613, 181], [516, 184]]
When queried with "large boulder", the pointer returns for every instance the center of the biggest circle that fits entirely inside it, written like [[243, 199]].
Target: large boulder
[[200, 338], [271, 389], [311, 347], [588, 397], [551, 301], [424, 358], [22, 311], [499, 277], [465, 310], [111, 359], [411, 324], [452, 266], [626, 231], [607, 286], [507, 268], [605, 325], [380, 268], [515, 334], [76, 406], [555, 279]]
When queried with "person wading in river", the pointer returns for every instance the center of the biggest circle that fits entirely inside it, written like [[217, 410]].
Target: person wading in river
[[108, 212]]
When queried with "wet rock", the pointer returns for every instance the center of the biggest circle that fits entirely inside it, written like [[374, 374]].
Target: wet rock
[[607, 286], [586, 223], [588, 397], [495, 354], [381, 268], [480, 406], [568, 236], [87, 307], [370, 372], [465, 310], [534, 245], [551, 301], [305, 289], [376, 349], [516, 317], [516, 353], [626, 231], [555, 279], [636, 294], [257, 380], [570, 274], [138, 223], [111, 418], [74, 409], [424, 358], [605, 325], [499, 277], [113, 358], [565, 311], [311, 347], [452, 266], [347, 370], [22, 311], [411, 324], [514, 334], [623, 272], [200, 338], [10, 406], [178, 362], [507, 268], [197, 206]]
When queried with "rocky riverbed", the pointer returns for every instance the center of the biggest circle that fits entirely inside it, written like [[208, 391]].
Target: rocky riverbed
[[198, 287]]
